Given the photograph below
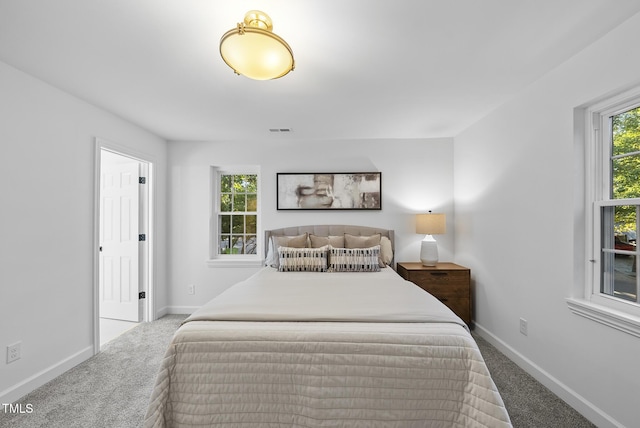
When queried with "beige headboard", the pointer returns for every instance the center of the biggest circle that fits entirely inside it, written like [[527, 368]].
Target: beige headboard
[[328, 230]]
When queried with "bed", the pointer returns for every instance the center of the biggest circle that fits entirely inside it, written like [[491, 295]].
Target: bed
[[350, 345]]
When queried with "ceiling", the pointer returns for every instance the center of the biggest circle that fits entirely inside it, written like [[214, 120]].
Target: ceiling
[[364, 69]]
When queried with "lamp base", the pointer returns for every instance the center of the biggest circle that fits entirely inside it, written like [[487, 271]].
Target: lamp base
[[429, 251]]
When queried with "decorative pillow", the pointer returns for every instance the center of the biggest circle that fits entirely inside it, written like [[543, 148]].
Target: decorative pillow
[[354, 259], [299, 241], [354, 241], [320, 241], [303, 259]]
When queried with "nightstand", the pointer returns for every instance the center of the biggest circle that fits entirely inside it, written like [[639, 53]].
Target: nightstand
[[448, 282]]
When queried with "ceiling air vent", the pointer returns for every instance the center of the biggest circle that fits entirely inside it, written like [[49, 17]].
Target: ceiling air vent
[[280, 130]]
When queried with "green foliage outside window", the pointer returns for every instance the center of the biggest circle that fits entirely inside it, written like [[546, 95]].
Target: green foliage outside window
[[625, 166], [238, 206]]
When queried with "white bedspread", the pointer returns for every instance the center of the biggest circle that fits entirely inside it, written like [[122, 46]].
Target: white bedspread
[[359, 360], [381, 296]]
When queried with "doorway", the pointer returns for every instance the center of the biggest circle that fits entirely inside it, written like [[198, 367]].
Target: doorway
[[123, 279]]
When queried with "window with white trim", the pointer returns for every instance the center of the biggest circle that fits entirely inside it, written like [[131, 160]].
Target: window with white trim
[[613, 192], [235, 215]]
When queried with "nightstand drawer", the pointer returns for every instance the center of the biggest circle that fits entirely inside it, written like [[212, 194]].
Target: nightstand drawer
[[460, 307], [440, 278], [444, 290]]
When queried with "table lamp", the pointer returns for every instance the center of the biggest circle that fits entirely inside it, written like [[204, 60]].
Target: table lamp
[[428, 225]]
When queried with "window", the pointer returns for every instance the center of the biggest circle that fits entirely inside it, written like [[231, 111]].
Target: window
[[236, 212], [617, 203], [612, 172]]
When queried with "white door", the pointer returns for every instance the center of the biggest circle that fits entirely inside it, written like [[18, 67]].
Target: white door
[[119, 241]]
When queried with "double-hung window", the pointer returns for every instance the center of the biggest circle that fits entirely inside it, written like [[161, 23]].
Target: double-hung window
[[613, 211], [235, 216]]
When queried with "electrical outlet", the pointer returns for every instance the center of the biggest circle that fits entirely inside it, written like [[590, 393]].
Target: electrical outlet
[[191, 289], [524, 326], [13, 352]]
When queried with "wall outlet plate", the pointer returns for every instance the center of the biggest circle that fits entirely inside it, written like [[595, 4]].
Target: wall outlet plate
[[14, 352], [524, 326], [191, 289]]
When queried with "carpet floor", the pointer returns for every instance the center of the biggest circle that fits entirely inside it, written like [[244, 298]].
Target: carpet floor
[[112, 389], [529, 403]]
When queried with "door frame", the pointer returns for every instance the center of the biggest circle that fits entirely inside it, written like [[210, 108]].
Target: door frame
[[147, 259]]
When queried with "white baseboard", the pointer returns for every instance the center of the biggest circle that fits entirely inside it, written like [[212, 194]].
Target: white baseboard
[[161, 312], [571, 397], [18, 391], [176, 310]]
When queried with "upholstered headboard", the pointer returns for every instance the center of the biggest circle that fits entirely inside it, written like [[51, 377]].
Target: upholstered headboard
[[329, 230]]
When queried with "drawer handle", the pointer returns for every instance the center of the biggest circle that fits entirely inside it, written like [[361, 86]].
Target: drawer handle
[[442, 299], [439, 273]]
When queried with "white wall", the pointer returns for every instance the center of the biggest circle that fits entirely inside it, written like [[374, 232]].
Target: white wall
[[417, 175], [46, 224], [515, 193]]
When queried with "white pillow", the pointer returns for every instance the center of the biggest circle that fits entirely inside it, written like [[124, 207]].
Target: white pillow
[[386, 252]]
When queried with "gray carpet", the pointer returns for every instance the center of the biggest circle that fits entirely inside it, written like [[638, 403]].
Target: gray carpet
[[109, 390], [530, 404], [112, 389]]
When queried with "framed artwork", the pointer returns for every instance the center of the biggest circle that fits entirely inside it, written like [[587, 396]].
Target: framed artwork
[[329, 191]]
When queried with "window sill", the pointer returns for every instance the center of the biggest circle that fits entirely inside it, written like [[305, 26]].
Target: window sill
[[610, 317], [237, 263]]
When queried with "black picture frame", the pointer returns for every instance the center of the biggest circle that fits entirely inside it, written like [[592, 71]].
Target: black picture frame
[[329, 191]]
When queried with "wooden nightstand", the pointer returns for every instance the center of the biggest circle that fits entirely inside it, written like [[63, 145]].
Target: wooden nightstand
[[449, 282]]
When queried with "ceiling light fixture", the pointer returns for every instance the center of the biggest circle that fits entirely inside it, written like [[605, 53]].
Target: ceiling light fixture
[[253, 50]]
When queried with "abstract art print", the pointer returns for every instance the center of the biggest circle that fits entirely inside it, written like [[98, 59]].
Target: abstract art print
[[329, 191]]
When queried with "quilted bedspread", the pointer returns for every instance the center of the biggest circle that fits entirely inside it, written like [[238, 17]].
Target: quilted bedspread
[[323, 373]]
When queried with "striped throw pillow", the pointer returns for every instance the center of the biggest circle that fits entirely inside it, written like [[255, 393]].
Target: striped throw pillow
[[302, 259], [354, 259]]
